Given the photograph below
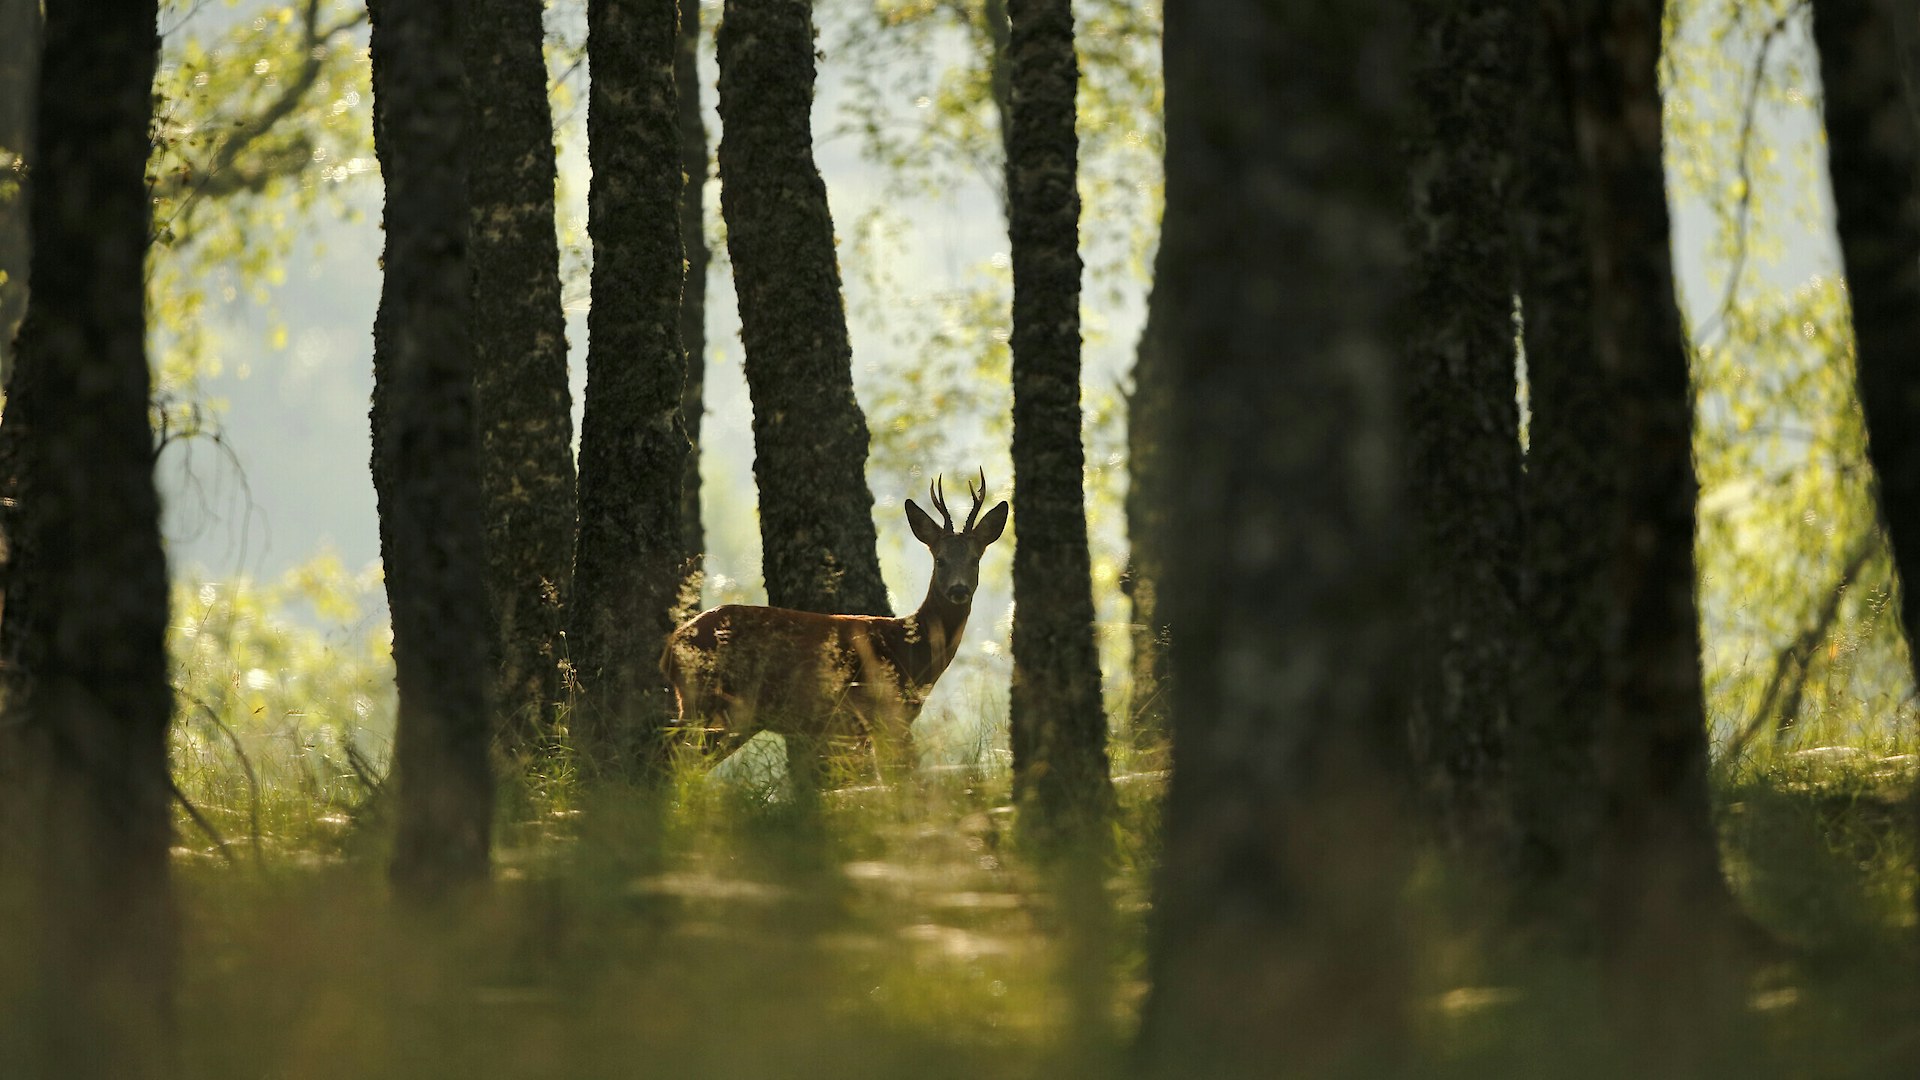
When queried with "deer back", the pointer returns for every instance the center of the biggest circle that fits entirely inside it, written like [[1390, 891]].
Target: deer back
[[745, 668]]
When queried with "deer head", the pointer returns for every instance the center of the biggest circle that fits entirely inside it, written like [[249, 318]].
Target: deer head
[[956, 554]]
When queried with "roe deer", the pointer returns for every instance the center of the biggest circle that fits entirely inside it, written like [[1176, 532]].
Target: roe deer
[[738, 670]]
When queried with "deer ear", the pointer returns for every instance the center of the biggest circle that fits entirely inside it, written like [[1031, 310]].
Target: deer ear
[[924, 527], [990, 526]]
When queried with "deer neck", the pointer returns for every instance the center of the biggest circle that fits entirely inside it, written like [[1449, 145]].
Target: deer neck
[[934, 634]]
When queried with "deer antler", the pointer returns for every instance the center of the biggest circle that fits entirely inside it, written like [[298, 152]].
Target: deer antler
[[979, 498], [937, 492]]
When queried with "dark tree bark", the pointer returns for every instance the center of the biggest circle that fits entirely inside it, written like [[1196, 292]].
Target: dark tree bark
[[1567, 494], [696, 164], [520, 364], [993, 15], [809, 435], [1150, 490], [426, 457], [1464, 422], [1872, 154], [1058, 725], [19, 76], [1664, 907], [83, 743], [19, 85], [633, 448], [1274, 925]]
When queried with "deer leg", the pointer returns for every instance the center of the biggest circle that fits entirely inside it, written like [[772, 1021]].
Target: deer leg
[[808, 768], [893, 751], [710, 722], [719, 743]]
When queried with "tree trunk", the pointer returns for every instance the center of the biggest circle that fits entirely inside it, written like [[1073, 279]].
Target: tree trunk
[[1275, 915], [426, 458], [19, 84], [1664, 907], [19, 76], [520, 364], [696, 164], [1059, 727], [1566, 495], [633, 448], [1872, 155], [993, 15], [88, 795], [809, 435], [1149, 492], [1464, 421]]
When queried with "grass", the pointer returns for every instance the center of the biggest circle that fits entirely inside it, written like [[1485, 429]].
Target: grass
[[726, 934], [719, 930]]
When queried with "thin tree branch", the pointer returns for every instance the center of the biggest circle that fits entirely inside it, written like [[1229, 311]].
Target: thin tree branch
[[1792, 662], [200, 820], [246, 767], [1743, 210], [223, 176], [186, 17]]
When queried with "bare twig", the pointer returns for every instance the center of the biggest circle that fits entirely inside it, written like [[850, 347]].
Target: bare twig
[[206, 428], [246, 767], [363, 770], [1743, 209], [580, 96], [200, 820], [186, 17], [1790, 666]]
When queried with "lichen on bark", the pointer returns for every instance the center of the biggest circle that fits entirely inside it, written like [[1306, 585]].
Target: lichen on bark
[[810, 436], [1058, 723], [524, 407], [633, 448], [426, 458]]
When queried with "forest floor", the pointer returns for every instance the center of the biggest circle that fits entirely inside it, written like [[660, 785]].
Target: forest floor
[[719, 931]]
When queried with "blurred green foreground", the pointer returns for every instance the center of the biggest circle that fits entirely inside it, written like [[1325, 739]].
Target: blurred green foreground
[[724, 930]]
